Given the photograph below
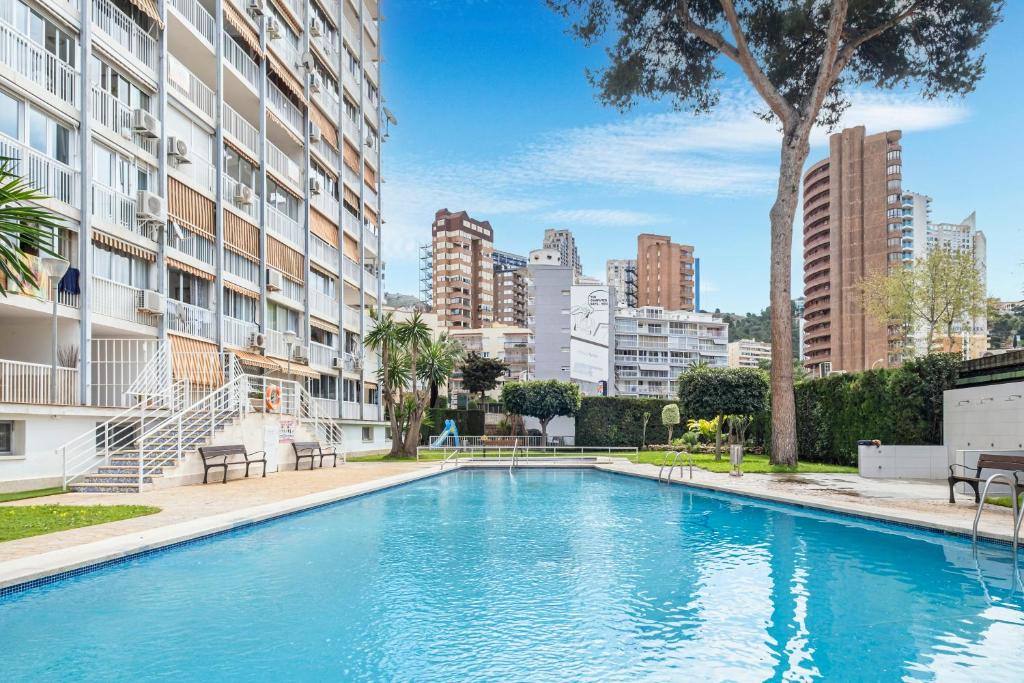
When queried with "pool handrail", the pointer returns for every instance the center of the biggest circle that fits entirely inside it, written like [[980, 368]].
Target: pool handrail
[[1012, 483]]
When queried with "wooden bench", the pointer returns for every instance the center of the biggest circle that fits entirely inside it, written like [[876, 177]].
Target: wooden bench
[[987, 461], [223, 456], [313, 449]]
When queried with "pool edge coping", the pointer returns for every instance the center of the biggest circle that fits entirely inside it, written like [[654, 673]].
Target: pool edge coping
[[24, 573]]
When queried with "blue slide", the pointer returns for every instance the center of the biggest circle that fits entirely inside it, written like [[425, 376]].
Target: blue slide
[[449, 430]]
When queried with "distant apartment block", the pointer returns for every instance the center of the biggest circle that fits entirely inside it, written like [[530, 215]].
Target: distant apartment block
[[510, 285], [652, 347], [463, 270], [621, 275], [666, 273], [513, 345], [564, 243], [853, 226], [749, 353]]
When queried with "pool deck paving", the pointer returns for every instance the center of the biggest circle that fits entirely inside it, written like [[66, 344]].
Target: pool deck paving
[[189, 512]]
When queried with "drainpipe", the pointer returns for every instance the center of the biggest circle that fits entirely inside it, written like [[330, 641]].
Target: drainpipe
[[161, 155], [85, 222], [218, 142]]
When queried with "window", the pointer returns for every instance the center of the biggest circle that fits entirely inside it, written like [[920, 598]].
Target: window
[[239, 168], [6, 437], [239, 306], [9, 116], [324, 387], [351, 389], [367, 433], [322, 337], [43, 32], [373, 395], [49, 137], [281, 318], [285, 202], [109, 80], [188, 288], [119, 267], [328, 182]]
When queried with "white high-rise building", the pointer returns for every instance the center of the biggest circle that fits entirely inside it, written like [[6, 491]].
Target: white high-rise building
[[621, 275], [217, 164], [564, 243]]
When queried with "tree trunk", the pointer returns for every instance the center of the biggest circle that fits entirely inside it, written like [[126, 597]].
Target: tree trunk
[[794, 153], [670, 435], [544, 432], [718, 438], [389, 403]]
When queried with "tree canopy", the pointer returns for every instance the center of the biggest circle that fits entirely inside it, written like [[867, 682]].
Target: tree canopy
[[542, 399], [707, 393], [479, 374]]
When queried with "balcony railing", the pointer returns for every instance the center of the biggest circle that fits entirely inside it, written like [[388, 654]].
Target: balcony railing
[[201, 174], [196, 15], [370, 196], [30, 383], [49, 176], [326, 151], [293, 290], [117, 116], [119, 301], [370, 235], [195, 245], [238, 332], [288, 53], [114, 207], [235, 55], [351, 177], [323, 251], [243, 131], [351, 269], [280, 224], [189, 319], [36, 64], [283, 164], [125, 32], [231, 190], [321, 354], [323, 304], [326, 203], [284, 107], [351, 223], [329, 102], [188, 86], [276, 345], [349, 410]]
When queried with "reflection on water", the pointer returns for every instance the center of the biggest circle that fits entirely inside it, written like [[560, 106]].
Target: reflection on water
[[539, 575]]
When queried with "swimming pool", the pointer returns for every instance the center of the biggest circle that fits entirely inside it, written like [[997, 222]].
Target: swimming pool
[[544, 575]]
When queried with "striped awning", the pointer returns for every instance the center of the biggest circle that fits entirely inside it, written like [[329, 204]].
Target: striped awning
[[323, 226], [242, 152], [327, 128], [296, 369], [122, 245], [191, 270], [287, 129], [256, 360], [195, 360], [239, 289], [150, 9], [323, 325], [286, 75], [245, 31]]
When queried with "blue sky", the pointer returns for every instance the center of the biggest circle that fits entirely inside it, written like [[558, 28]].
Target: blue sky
[[496, 117]]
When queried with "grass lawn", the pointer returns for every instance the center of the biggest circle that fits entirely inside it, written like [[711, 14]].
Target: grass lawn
[[36, 493], [1004, 501], [22, 521]]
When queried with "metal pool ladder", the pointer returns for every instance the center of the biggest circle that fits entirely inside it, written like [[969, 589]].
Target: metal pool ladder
[[675, 460], [1017, 516], [515, 458]]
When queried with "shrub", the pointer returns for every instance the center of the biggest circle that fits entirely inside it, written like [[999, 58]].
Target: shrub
[[618, 421], [542, 399]]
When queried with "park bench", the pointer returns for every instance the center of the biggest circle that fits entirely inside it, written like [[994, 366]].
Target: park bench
[[313, 449], [987, 461], [223, 456]]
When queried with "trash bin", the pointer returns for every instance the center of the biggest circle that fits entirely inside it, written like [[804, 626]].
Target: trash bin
[[736, 460]]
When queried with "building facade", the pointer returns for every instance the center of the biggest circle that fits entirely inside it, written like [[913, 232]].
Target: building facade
[[749, 353], [853, 227], [665, 273], [217, 165], [564, 243], [652, 347], [620, 274], [510, 287], [463, 270], [512, 345]]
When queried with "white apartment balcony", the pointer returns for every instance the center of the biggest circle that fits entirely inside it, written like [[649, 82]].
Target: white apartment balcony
[[30, 383], [232, 194], [321, 355], [188, 87], [49, 176], [370, 196], [293, 290], [36, 64], [114, 207], [349, 410], [350, 223], [235, 55], [241, 130], [117, 116], [120, 301], [370, 235], [351, 269], [350, 177], [283, 226], [238, 332], [125, 32], [190, 319], [329, 102], [323, 304], [200, 175], [370, 284], [195, 245], [283, 165], [327, 152], [353, 317], [325, 203], [197, 17], [284, 108], [286, 51], [328, 407], [276, 345], [323, 251]]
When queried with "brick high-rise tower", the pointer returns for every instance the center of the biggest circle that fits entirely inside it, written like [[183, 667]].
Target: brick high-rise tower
[[463, 270], [664, 273]]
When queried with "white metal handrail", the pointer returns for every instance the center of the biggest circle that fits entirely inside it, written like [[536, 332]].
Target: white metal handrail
[[235, 55], [22, 382], [196, 15], [38, 65], [152, 386], [189, 87], [125, 32], [1011, 482]]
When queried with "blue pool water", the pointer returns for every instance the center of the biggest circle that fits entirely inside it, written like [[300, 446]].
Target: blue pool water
[[542, 575]]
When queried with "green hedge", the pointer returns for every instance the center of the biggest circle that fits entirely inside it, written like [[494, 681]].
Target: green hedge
[[618, 421], [468, 422], [899, 406]]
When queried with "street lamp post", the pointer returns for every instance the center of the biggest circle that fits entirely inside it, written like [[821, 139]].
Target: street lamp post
[[55, 267], [289, 340]]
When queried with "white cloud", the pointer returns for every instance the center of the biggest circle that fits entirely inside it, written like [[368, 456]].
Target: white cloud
[[601, 217]]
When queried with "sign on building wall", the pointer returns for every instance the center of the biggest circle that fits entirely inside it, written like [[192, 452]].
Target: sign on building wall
[[590, 317]]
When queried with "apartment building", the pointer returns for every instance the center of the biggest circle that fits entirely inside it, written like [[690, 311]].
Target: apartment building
[[749, 353], [564, 242], [853, 227], [653, 346], [513, 345], [621, 275], [463, 270], [217, 164], [510, 285], [665, 273]]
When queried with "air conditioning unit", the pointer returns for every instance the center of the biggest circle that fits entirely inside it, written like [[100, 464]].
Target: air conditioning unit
[[275, 281], [306, 62], [314, 132], [177, 150], [153, 302], [315, 29], [338, 363], [257, 340], [316, 84], [150, 206], [300, 353], [244, 195], [273, 29], [315, 186], [145, 124], [257, 8]]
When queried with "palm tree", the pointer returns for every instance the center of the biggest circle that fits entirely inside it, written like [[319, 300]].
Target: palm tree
[[414, 336], [393, 371], [439, 361], [23, 227]]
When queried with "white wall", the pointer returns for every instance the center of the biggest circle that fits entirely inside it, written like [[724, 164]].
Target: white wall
[[35, 463], [902, 462], [983, 418]]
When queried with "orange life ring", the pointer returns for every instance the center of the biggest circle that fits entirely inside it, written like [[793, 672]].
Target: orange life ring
[[273, 397]]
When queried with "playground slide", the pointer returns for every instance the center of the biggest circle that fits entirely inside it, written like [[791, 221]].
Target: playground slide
[[449, 430]]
